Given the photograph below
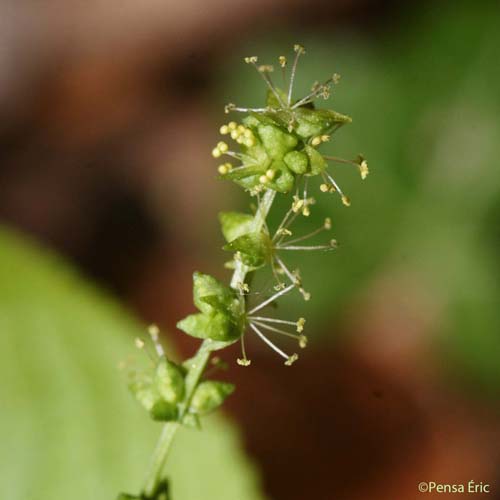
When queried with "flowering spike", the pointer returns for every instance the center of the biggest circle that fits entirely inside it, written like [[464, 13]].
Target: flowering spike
[[273, 148]]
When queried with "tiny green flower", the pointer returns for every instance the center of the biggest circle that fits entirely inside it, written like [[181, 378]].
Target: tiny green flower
[[221, 316]]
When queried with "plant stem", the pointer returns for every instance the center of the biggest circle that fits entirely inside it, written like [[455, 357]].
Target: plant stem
[[197, 366], [159, 457]]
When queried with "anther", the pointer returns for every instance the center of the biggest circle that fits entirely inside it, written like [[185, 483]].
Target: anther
[[346, 201], [224, 168], [244, 362], [300, 324], [270, 174], [328, 223], [363, 169], [222, 146], [139, 343], [265, 68], [291, 360], [282, 61], [302, 341], [297, 204], [251, 59]]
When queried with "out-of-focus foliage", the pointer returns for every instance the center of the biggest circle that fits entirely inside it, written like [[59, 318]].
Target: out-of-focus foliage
[[69, 429], [425, 102]]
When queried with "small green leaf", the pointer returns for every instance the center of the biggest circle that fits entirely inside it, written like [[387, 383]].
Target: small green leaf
[[205, 285], [235, 224], [209, 395], [169, 381], [217, 326], [255, 248], [296, 161], [163, 411], [317, 162], [313, 122], [221, 315]]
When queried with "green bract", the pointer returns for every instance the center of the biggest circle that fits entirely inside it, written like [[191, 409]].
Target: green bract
[[209, 395], [221, 317], [255, 249], [159, 392], [235, 224], [169, 381]]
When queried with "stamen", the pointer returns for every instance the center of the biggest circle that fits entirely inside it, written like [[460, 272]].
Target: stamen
[[294, 278], [244, 361], [268, 342], [299, 50], [335, 187], [273, 320], [277, 330], [271, 299], [249, 110], [243, 288], [264, 73], [331, 246], [154, 332], [317, 89], [360, 163], [284, 223], [283, 62], [324, 227]]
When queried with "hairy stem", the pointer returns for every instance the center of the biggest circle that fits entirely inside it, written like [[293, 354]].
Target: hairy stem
[[197, 366]]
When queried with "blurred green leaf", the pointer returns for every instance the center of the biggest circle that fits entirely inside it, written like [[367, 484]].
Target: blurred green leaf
[[69, 428]]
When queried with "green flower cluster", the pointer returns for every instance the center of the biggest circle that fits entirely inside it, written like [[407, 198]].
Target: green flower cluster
[[162, 392], [278, 144]]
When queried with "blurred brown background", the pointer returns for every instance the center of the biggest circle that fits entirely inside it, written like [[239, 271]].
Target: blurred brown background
[[107, 113]]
